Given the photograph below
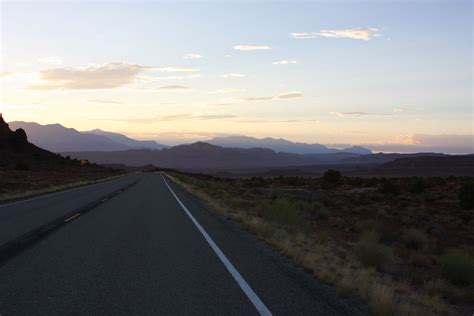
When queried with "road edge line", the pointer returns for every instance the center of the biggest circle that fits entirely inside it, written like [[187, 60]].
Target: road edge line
[[251, 295]]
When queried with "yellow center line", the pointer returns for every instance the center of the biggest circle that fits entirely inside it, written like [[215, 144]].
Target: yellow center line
[[72, 217]]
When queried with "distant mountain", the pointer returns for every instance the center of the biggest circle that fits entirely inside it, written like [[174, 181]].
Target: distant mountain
[[127, 141], [17, 153], [429, 166], [202, 155], [281, 145], [381, 158], [57, 138]]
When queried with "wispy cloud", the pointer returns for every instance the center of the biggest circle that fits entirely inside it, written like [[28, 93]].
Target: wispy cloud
[[172, 88], [174, 69], [223, 91], [398, 110], [51, 60], [102, 101], [284, 62], [105, 76], [289, 95], [232, 75], [281, 96], [358, 33], [248, 47], [253, 99], [178, 77], [192, 56], [342, 114], [177, 117]]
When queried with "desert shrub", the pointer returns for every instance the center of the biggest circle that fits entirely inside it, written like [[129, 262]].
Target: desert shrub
[[416, 185], [22, 166], [415, 239], [458, 268], [382, 300], [466, 195], [319, 210], [331, 179], [371, 253], [388, 232], [390, 187], [255, 182], [282, 211]]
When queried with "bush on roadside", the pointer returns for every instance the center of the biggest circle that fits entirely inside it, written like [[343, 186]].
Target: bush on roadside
[[415, 239], [466, 195], [282, 211], [458, 268], [390, 187], [416, 185], [331, 179], [371, 253]]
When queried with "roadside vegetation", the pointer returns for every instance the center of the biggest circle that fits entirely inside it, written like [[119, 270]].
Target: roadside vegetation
[[403, 245], [22, 182]]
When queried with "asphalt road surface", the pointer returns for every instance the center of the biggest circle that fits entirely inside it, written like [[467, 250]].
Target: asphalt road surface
[[151, 250]]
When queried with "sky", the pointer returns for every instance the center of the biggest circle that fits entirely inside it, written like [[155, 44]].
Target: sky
[[386, 73]]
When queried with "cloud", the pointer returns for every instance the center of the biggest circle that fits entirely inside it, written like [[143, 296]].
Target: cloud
[[174, 69], [285, 62], [106, 76], [253, 99], [51, 60], [289, 95], [214, 116], [102, 101], [172, 88], [410, 143], [358, 33], [232, 75], [248, 47], [281, 96], [178, 77], [177, 117], [407, 139], [342, 114], [192, 56], [222, 91], [398, 110]]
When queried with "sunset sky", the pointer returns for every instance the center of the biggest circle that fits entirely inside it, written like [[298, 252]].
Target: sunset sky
[[348, 72]]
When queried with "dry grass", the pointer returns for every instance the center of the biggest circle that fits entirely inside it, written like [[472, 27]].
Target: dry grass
[[51, 189], [335, 263]]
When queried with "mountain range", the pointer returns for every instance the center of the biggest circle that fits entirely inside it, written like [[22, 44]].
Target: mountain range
[[57, 138], [282, 145]]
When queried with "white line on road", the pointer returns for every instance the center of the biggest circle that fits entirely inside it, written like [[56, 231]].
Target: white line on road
[[253, 297]]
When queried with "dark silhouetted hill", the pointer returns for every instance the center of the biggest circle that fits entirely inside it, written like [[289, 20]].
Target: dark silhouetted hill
[[429, 166], [57, 138]]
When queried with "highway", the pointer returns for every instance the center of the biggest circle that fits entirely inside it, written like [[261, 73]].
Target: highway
[[152, 249]]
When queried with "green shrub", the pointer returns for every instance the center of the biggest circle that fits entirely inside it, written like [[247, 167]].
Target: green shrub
[[415, 239], [416, 185], [458, 268], [371, 253], [331, 179], [466, 195], [319, 210], [282, 211], [390, 187]]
